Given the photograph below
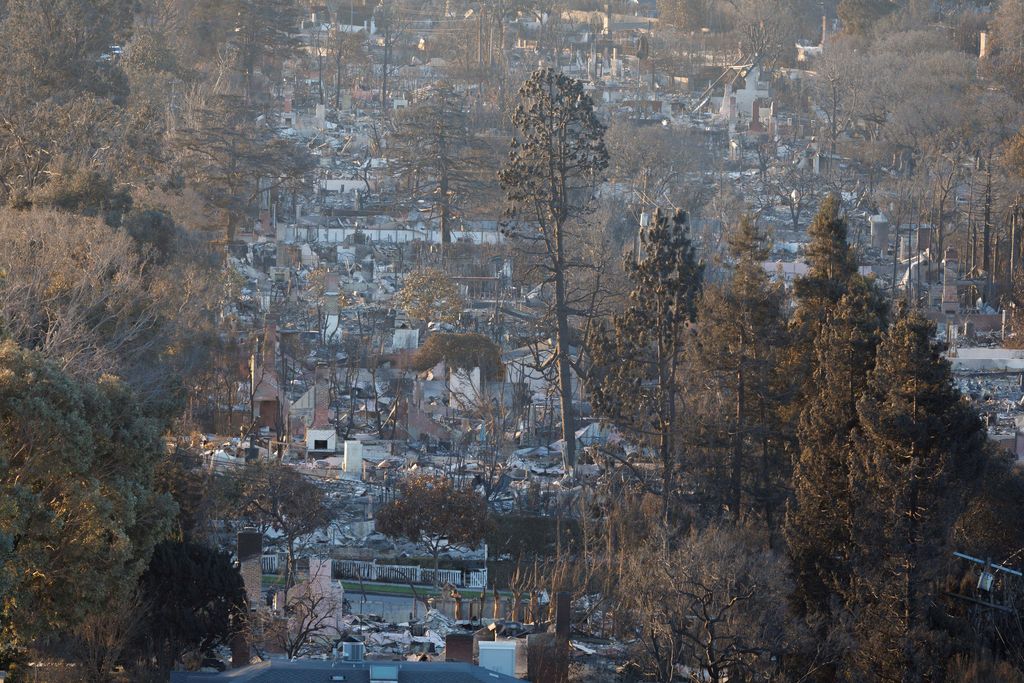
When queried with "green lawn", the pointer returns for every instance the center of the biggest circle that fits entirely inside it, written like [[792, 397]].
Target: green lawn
[[386, 589]]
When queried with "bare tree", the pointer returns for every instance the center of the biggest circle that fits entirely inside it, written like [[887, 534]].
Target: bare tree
[[74, 289], [711, 607], [312, 618], [795, 186], [101, 638], [832, 93], [281, 498], [430, 150]]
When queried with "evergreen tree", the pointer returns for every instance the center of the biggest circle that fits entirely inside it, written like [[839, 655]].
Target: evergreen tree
[[831, 266], [194, 598], [913, 461], [742, 328], [79, 515], [818, 526], [830, 259], [817, 522], [635, 379], [264, 37], [554, 163]]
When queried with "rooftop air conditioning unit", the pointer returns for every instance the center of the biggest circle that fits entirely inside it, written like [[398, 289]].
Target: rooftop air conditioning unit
[[353, 651]]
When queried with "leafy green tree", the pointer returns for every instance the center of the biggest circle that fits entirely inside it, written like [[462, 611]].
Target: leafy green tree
[[77, 505], [434, 512], [637, 372], [555, 160], [195, 601]]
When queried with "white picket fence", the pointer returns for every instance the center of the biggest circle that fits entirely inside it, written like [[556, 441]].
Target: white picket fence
[[269, 563], [397, 573]]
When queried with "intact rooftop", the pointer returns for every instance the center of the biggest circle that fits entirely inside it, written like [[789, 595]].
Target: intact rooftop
[[313, 671]]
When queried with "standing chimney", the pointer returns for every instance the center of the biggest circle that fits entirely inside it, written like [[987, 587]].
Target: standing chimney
[[250, 558], [983, 45], [950, 273], [562, 614], [458, 647], [331, 291]]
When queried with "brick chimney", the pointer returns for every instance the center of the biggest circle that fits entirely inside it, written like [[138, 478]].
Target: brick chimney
[[331, 291], [321, 398], [250, 564]]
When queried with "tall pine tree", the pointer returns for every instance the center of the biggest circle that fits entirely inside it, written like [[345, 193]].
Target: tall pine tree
[[741, 331], [635, 378], [913, 461], [817, 522], [818, 525], [831, 265], [830, 260], [554, 162]]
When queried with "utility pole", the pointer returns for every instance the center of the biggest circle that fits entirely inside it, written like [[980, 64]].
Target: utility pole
[[989, 581]]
